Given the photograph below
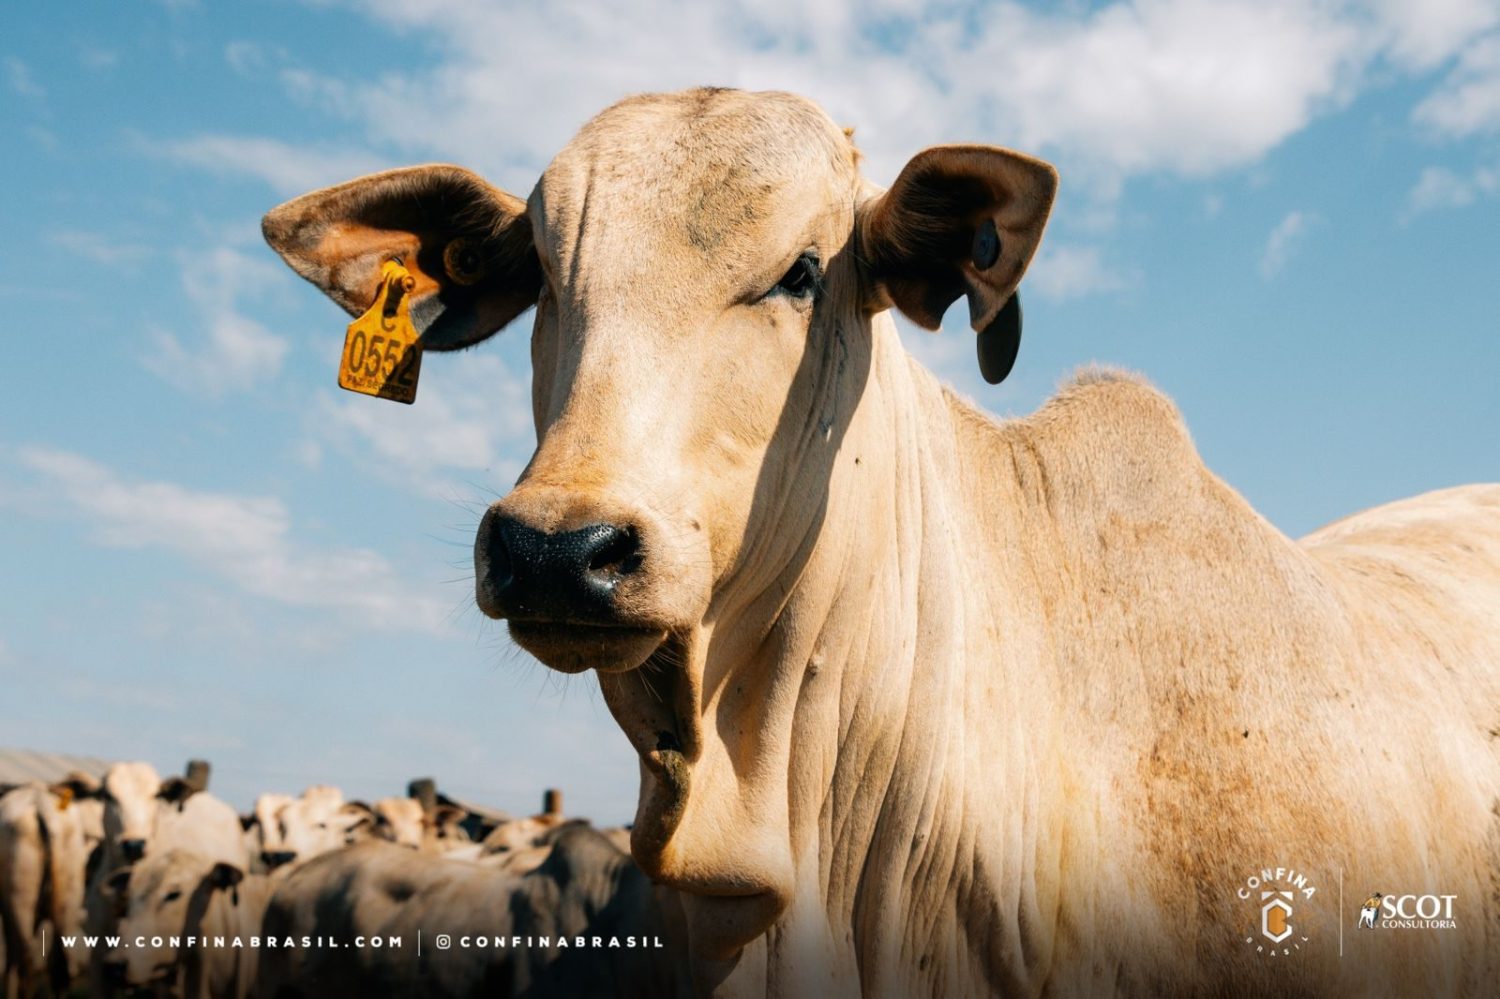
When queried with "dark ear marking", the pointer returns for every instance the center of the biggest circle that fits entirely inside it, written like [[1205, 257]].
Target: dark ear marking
[[986, 248], [462, 262]]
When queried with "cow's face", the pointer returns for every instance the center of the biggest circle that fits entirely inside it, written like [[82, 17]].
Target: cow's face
[[130, 807], [157, 897], [294, 830], [704, 267], [692, 334], [400, 820]]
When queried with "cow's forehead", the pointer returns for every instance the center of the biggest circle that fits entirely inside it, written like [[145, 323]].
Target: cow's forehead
[[711, 171], [125, 778]]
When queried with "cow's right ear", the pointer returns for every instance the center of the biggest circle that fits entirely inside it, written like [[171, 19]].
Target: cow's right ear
[[467, 244]]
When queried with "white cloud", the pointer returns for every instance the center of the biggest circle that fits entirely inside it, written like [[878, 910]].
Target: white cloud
[[98, 59], [244, 539], [1439, 187], [18, 74], [99, 248], [246, 57], [1468, 102], [1283, 242], [1184, 86], [470, 409], [1064, 271], [1422, 34], [234, 352], [286, 168]]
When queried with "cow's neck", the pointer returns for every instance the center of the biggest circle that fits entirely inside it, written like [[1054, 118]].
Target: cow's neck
[[900, 617]]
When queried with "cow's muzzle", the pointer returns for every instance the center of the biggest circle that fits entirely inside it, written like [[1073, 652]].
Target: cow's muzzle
[[560, 591]]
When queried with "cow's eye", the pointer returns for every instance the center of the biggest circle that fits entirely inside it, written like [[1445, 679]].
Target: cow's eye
[[803, 280], [172, 896]]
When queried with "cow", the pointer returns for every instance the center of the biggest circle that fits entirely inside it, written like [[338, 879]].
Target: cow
[[196, 907], [1368, 911], [405, 822], [145, 814], [263, 830], [926, 701], [287, 831], [47, 835], [142, 811], [586, 888]]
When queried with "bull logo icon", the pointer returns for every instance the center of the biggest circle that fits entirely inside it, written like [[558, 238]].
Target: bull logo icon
[[1369, 912]]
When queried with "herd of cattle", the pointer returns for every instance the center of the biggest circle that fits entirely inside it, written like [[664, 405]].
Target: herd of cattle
[[154, 880]]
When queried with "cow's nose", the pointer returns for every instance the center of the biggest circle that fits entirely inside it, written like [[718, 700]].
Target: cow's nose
[[133, 849], [564, 576], [114, 971], [276, 858]]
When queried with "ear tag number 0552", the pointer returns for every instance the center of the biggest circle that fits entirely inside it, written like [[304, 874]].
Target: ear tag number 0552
[[381, 354]]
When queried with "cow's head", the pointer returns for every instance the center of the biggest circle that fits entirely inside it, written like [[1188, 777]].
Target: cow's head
[[704, 268], [130, 807], [160, 898]]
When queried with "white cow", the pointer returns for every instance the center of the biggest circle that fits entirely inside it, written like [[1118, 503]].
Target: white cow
[[289, 831], [138, 822], [46, 836], [196, 907], [926, 702]]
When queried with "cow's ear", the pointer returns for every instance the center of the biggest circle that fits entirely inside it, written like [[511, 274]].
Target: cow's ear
[[959, 220], [442, 816], [177, 790], [354, 816], [467, 244], [80, 784], [225, 875]]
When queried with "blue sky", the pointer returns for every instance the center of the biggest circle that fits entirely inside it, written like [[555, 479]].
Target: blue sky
[[1285, 214]]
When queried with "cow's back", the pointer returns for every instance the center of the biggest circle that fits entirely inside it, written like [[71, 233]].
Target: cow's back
[[1235, 702]]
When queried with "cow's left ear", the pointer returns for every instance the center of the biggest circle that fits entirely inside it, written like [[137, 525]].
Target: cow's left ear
[[959, 220], [467, 244]]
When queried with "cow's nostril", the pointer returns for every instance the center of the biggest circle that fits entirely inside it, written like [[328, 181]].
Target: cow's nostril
[[499, 551], [619, 551]]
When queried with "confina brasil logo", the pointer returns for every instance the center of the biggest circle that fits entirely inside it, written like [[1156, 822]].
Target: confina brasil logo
[[1273, 897]]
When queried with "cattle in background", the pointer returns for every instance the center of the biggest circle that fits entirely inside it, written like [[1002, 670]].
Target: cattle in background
[[175, 895], [286, 831], [47, 836], [586, 887], [142, 814], [946, 704], [263, 829], [475, 821]]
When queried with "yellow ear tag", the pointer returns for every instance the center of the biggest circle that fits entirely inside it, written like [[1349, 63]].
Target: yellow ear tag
[[382, 355], [64, 797]]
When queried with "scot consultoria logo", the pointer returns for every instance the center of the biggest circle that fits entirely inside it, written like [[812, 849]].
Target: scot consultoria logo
[[1384, 911], [1275, 896]]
